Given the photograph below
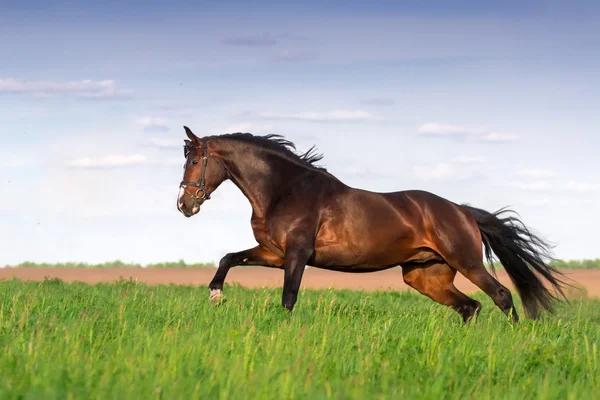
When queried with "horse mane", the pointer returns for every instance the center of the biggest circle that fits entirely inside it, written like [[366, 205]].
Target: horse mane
[[282, 146]]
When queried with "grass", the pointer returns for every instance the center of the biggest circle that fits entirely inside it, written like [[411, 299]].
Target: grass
[[563, 264], [577, 264], [111, 264], [129, 340]]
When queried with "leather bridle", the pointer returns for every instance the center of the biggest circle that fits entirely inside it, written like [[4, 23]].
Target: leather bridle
[[199, 185]]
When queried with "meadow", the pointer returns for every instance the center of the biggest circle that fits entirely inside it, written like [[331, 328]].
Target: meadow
[[130, 340], [115, 264]]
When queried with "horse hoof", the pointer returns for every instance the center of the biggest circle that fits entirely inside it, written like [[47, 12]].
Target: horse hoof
[[216, 296]]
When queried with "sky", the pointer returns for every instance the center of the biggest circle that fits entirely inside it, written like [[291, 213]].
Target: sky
[[491, 103]]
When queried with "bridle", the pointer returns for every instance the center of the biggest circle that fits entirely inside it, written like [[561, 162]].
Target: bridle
[[199, 185]]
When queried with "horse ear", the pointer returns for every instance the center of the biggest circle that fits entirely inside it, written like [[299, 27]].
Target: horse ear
[[191, 135]]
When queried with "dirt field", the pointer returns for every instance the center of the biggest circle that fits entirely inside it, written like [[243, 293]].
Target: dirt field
[[258, 277]]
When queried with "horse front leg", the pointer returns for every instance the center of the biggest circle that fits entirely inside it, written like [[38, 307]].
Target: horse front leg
[[258, 256], [296, 257]]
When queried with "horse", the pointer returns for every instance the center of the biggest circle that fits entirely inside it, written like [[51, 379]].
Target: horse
[[303, 215]]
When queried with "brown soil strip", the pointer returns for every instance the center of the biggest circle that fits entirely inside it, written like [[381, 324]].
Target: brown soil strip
[[253, 277]]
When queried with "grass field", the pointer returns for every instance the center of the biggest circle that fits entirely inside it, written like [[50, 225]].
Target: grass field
[[116, 264], [128, 340]]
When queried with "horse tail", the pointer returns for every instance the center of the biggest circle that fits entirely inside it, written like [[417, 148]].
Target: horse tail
[[522, 254]]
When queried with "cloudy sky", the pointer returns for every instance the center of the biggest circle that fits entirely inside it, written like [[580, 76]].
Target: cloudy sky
[[489, 103]]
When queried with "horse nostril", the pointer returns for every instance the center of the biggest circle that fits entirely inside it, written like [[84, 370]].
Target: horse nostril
[[182, 206]]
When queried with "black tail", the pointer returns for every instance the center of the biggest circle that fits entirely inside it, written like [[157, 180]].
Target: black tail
[[521, 253]]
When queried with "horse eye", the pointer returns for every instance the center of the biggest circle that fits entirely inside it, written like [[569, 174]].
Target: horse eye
[[195, 162]]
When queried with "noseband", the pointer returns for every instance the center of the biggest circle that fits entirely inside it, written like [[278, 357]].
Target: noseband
[[199, 185]]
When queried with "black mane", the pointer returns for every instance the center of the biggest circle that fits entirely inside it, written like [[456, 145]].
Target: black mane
[[281, 145]]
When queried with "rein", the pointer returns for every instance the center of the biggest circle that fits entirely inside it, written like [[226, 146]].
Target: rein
[[199, 185]]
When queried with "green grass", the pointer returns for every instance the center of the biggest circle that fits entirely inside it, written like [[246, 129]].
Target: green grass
[[130, 341], [111, 264], [564, 264], [577, 264]]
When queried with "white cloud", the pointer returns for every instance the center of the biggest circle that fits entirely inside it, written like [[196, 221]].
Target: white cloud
[[263, 40], [379, 102], [336, 115], [557, 188], [19, 157], [538, 202], [153, 124], [169, 161], [447, 130], [580, 187], [294, 55], [435, 172], [82, 89], [359, 171], [174, 111], [12, 162], [167, 143], [147, 121], [440, 130], [249, 127], [42, 95], [469, 160], [460, 169], [536, 173], [111, 161], [535, 186], [498, 137]]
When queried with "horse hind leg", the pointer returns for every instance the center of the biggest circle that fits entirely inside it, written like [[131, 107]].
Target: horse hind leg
[[468, 260], [466, 256], [498, 292], [436, 281]]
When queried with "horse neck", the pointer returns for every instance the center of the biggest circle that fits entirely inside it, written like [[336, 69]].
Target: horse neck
[[259, 177]]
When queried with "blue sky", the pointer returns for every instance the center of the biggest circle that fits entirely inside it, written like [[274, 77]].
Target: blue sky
[[488, 103]]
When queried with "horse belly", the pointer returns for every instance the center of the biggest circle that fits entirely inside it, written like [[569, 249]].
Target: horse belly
[[370, 231], [367, 254]]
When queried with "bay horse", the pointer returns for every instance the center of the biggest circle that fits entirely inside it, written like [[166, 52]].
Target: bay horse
[[303, 215]]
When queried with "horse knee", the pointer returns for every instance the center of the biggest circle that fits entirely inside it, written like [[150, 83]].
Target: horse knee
[[227, 260]]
